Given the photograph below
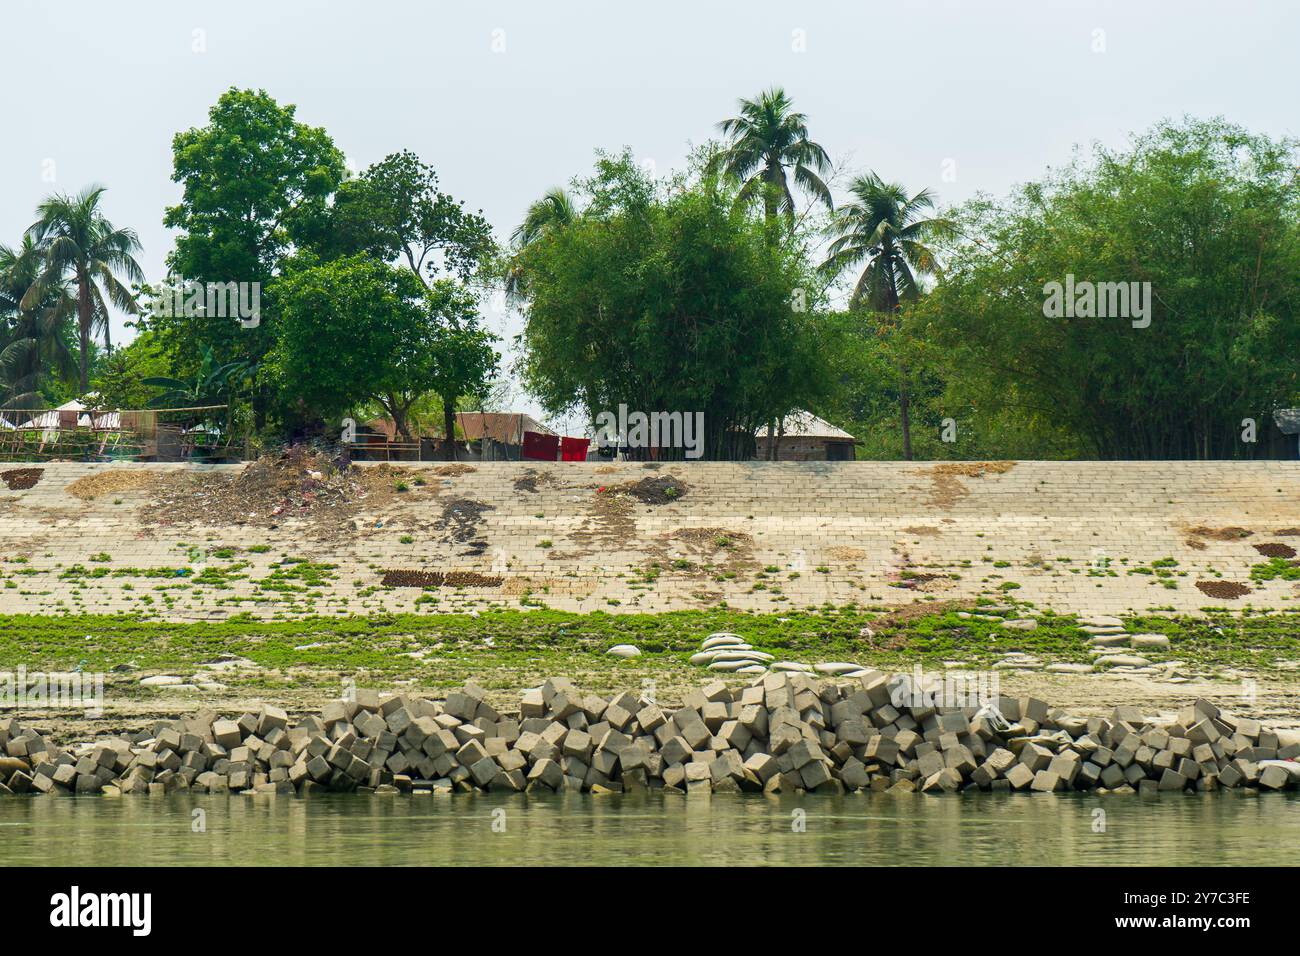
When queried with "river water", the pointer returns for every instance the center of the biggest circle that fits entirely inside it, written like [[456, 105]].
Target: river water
[[652, 829]]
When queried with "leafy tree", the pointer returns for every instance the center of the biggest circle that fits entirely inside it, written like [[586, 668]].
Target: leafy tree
[[883, 231], [766, 142], [118, 379], [256, 183], [555, 210], [213, 384], [34, 340], [1202, 210], [669, 299], [357, 330], [82, 247], [395, 211]]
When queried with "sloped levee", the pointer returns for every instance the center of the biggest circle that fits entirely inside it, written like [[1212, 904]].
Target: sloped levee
[[298, 536]]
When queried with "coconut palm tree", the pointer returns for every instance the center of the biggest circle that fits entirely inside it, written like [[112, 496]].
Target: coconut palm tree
[[555, 210], [79, 245], [766, 144], [886, 232], [33, 341]]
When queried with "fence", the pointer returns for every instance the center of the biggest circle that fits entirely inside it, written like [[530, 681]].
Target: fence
[[82, 434]]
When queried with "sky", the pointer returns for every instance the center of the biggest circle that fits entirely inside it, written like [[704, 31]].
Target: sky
[[507, 99]]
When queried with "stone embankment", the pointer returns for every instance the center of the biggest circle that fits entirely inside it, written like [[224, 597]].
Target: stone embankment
[[294, 537], [783, 732]]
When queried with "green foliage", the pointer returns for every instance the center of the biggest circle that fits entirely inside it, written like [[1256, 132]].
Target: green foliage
[[84, 254], [119, 378], [395, 210], [767, 146], [1205, 212], [355, 329], [255, 182], [669, 297], [37, 347]]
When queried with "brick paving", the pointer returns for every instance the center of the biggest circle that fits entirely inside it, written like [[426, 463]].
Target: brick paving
[[1075, 536]]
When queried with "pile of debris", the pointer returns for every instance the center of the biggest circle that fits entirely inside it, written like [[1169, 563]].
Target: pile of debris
[[20, 479], [302, 483], [649, 491], [783, 732]]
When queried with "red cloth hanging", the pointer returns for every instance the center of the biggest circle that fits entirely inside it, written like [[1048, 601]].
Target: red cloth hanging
[[574, 449], [539, 447]]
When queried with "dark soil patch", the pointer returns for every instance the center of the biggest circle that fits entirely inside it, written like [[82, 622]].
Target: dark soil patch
[[398, 578], [530, 479], [1287, 532], [913, 581], [1221, 534], [652, 491], [461, 518], [1276, 549], [454, 471], [20, 479], [1227, 590]]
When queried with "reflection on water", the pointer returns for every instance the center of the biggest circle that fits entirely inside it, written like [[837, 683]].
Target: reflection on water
[[861, 829]]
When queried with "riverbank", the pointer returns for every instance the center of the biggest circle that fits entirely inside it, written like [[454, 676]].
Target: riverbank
[[152, 671], [780, 732]]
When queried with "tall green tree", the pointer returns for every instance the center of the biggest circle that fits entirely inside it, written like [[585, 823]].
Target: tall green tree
[[555, 210], [81, 246], [394, 211], [768, 145], [669, 298], [256, 183], [1205, 212], [34, 340], [886, 233], [359, 330]]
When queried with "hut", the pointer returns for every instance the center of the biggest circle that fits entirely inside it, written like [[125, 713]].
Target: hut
[[802, 436]]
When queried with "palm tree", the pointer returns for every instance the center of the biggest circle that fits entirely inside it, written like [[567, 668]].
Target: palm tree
[[886, 230], [883, 228], [764, 142], [80, 245], [33, 340], [555, 210]]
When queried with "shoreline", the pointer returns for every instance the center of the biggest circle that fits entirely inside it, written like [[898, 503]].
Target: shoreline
[[782, 732]]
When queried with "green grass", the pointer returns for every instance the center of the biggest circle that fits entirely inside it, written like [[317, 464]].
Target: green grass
[[551, 641]]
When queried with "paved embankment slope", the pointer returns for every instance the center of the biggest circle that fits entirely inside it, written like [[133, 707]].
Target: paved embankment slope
[[1083, 537]]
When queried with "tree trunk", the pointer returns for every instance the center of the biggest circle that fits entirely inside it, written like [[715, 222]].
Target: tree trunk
[[83, 323], [398, 411], [449, 426], [904, 407]]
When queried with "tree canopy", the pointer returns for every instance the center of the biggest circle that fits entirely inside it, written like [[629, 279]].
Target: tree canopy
[[669, 297], [1204, 212], [356, 329]]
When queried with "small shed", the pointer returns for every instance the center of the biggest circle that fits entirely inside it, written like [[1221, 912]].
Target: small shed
[[802, 436], [1288, 423]]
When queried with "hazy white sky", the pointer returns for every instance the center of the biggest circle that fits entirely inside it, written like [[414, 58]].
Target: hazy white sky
[[95, 91]]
